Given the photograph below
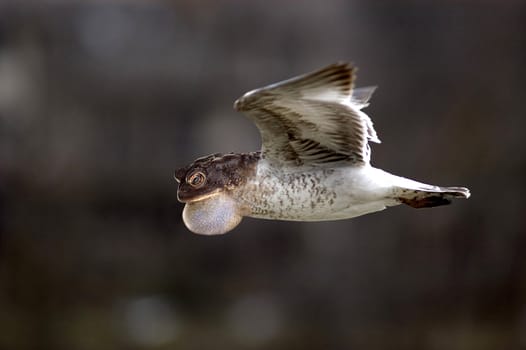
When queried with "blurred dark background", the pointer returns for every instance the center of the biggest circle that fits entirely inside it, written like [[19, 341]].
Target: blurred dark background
[[101, 101]]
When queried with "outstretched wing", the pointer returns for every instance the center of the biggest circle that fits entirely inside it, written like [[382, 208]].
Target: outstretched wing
[[312, 119]]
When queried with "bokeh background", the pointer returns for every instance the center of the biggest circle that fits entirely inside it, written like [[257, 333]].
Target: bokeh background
[[100, 101]]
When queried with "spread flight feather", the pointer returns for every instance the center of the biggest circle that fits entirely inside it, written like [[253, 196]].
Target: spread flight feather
[[313, 119]]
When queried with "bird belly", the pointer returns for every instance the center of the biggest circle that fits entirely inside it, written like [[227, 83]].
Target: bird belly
[[318, 195]]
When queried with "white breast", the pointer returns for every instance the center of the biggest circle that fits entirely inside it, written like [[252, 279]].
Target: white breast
[[316, 195]]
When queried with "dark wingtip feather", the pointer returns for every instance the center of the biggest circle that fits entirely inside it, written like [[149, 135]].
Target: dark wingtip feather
[[433, 198]]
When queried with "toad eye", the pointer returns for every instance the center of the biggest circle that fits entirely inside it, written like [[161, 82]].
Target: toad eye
[[197, 179]]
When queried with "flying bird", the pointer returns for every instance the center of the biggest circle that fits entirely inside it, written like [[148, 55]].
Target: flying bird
[[314, 162]]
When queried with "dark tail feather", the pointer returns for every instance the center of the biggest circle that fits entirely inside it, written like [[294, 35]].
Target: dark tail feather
[[432, 198]]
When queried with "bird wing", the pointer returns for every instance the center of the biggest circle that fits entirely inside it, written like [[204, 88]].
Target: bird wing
[[312, 119]]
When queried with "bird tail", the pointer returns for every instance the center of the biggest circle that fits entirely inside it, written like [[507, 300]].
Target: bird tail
[[428, 196]]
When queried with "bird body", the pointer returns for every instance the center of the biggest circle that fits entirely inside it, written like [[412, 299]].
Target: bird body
[[316, 194], [314, 164]]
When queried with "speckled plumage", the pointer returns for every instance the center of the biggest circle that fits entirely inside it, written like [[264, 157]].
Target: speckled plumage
[[314, 164]]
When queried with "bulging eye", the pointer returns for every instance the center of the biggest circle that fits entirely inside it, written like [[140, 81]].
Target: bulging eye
[[197, 179]]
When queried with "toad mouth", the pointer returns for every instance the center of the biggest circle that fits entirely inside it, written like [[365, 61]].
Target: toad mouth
[[195, 199]]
